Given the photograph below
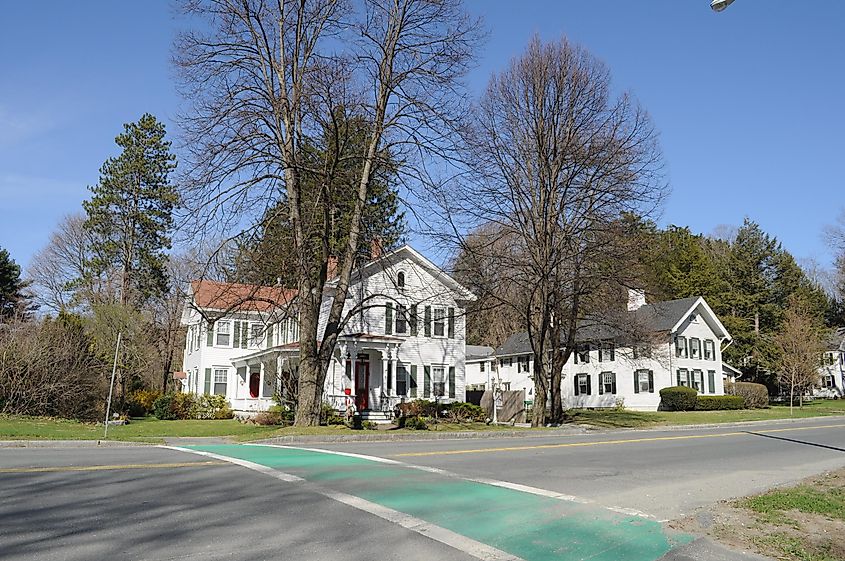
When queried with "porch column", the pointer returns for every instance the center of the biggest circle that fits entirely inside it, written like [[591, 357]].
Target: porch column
[[385, 364], [261, 380]]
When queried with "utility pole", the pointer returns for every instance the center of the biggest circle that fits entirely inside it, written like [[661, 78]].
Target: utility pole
[[111, 385]]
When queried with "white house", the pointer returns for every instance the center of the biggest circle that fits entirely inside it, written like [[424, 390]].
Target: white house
[[832, 369], [403, 338], [686, 346], [480, 367]]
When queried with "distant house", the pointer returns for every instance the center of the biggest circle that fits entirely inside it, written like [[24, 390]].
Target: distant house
[[480, 367], [730, 374], [687, 339], [403, 338], [832, 369]]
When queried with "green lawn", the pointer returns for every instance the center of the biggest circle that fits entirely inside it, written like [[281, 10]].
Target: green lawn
[[634, 419]]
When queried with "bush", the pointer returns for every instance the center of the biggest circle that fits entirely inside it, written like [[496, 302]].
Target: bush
[[414, 422], [135, 409], [211, 407], [328, 415], [719, 402], [754, 395], [678, 398], [461, 412], [266, 418], [145, 398], [369, 425], [173, 406]]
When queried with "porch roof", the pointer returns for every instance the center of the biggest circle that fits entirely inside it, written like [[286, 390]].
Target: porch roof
[[272, 352]]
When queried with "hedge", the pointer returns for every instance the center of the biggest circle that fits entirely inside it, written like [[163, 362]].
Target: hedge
[[754, 395], [678, 398], [719, 402]]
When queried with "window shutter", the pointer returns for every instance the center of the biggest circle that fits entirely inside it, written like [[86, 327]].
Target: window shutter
[[612, 353], [209, 335], [388, 318], [636, 381], [575, 378], [613, 383], [679, 377], [650, 381], [451, 332], [711, 377], [269, 336], [244, 334], [413, 320], [452, 382], [236, 340], [601, 384], [589, 385], [207, 381], [427, 320], [412, 392], [426, 381]]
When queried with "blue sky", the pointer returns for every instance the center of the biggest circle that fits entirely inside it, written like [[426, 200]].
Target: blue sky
[[748, 102]]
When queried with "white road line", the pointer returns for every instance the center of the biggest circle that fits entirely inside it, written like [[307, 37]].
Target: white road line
[[494, 482], [439, 534]]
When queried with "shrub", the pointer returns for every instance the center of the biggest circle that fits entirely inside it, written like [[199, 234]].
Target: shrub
[[461, 412], [755, 395], [267, 418], [173, 406], [418, 407], [719, 402], [211, 407], [144, 398], [135, 409], [369, 425], [328, 415], [678, 398], [414, 422]]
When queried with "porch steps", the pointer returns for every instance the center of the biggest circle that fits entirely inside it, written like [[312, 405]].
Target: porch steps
[[379, 417]]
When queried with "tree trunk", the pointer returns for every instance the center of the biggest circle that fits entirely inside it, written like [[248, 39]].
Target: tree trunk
[[310, 385], [538, 418]]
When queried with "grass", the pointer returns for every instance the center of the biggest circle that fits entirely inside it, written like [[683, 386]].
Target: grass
[[637, 419], [803, 498]]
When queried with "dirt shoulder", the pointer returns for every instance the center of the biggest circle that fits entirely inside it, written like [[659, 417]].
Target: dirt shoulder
[[803, 522]]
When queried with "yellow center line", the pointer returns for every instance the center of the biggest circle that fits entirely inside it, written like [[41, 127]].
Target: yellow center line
[[604, 442], [110, 467]]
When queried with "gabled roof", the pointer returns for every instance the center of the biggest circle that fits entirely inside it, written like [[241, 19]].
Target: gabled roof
[[836, 341], [661, 316], [462, 293], [478, 352], [230, 296]]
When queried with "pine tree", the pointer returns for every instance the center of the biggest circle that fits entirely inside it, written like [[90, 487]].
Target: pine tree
[[130, 213], [12, 297]]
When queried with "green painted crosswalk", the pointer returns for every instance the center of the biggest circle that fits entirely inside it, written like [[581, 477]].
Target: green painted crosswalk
[[528, 526]]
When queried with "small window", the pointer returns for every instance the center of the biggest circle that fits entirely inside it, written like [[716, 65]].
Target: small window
[[439, 322], [683, 377], [522, 363], [681, 347], [401, 381], [582, 384], [694, 348], [711, 381], [608, 382], [401, 319], [481, 366], [644, 382], [506, 386], [698, 380], [438, 380], [256, 331], [224, 333], [708, 349], [220, 376], [606, 352], [582, 354], [400, 279]]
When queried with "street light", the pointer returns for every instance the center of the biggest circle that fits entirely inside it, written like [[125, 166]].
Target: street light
[[719, 5]]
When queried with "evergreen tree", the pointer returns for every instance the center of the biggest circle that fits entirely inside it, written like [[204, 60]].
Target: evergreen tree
[[130, 213], [12, 298]]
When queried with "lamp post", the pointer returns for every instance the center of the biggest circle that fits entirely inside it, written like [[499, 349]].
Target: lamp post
[[720, 5]]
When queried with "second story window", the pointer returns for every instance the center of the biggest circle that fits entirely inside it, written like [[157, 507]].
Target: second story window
[[522, 363], [400, 279], [694, 348], [708, 350], [582, 354], [401, 319], [256, 330], [439, 322], [481, 366], [224, 333], [680, 347], [607, 352]]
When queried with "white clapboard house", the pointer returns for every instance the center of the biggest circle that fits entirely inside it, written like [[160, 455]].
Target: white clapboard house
[[686, 343], [832, 369], [403, 339]]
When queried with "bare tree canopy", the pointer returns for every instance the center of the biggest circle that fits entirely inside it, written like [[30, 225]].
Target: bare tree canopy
[[555, 165], [799, 345], [266, 80]]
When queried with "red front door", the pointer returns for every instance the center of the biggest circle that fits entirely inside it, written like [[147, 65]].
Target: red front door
[[362, 385]]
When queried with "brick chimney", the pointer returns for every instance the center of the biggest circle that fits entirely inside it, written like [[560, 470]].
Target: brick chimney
[[376, 249], [331, 267], [636, 299]]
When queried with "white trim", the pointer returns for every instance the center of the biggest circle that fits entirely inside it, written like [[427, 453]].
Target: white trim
[[710, 311]]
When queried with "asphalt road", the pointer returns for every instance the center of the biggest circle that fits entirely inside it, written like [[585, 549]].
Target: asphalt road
[[663, 473], [424, 500]]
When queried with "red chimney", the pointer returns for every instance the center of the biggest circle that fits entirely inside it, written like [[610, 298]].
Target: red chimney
[[376, 249]]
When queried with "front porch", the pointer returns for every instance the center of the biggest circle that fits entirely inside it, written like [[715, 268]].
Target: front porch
[[263, 377]]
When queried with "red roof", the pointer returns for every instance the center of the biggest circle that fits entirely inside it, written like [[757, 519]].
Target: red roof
[[235, 296]]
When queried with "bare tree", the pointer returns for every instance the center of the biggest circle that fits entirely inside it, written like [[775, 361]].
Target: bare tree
[[799, 345], [268, 79], [556, 163]]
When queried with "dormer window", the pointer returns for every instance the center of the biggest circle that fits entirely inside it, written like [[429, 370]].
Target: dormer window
[[400, 279]]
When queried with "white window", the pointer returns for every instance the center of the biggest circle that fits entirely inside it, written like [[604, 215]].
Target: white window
[[481, 366], [582, 354], [189, 344], [224, 338], [708, 349], [198, 333], [606, 352], [438, 380], [681, 347], [401, 381], [608, 382], [582, 384], [683, 377], [220, 377], [400, 280], [698, 380], [401, 319], [711, 381], [522, 363], [506, 386], [439, 322], [256, 331], [694, 348], [643, 382]]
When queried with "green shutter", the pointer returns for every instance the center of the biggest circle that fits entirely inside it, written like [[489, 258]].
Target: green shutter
[[207, 381], [575, 379], [426, 381], [209, 335], [650, 381], [452, 382], [636, 381], [413, 320], [236, 340], [244, 334], [451, 329], [589, 385], [412, 390], [388, 318], [711, 377], [427, 320], [601, 383], [613, 383]]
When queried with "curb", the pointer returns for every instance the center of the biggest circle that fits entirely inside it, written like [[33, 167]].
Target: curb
[[423, 436], [71, 444]]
